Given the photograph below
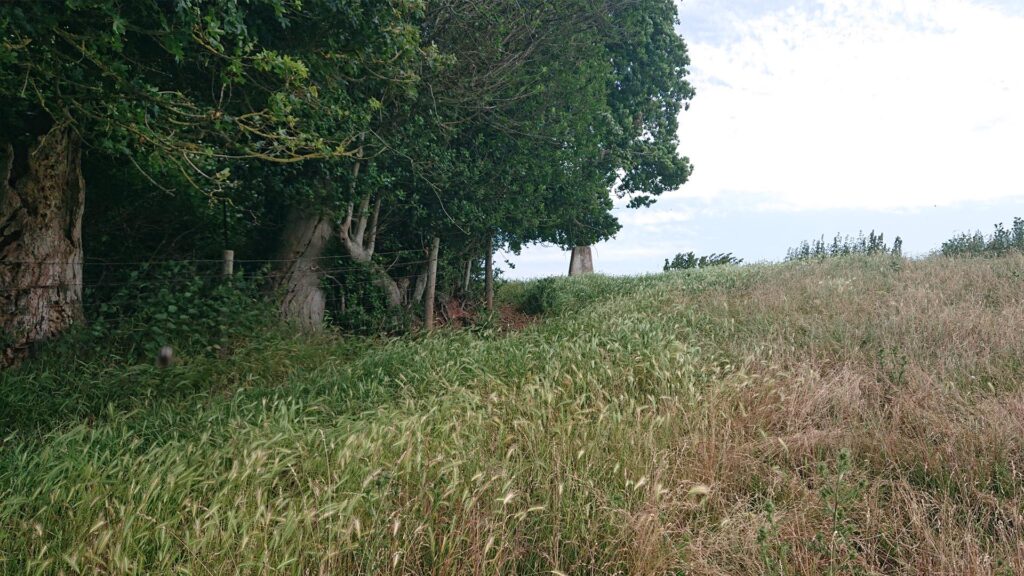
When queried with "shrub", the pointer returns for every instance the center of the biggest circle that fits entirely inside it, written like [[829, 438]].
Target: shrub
[[171, 304], [356, 305], [691, 261], [870, 245], [1000, 242], [542, 297]]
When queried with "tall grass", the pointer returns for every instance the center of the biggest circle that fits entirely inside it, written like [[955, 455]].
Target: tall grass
[[856, 415]]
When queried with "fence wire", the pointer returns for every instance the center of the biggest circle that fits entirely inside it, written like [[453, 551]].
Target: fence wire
[[151, 275]]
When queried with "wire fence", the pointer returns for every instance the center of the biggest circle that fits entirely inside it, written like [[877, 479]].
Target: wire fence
[[172, 261], [100, 274], [138, 304]]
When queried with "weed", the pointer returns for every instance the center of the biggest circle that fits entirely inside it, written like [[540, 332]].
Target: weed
[[170, 305], [773, 550], [838, 495]]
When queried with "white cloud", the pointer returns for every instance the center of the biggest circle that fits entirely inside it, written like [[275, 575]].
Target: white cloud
[[818, 116], [653, 218], [854, 104], [609, 253]]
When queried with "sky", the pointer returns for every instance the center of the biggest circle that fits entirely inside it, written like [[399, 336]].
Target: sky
[[821, 117]]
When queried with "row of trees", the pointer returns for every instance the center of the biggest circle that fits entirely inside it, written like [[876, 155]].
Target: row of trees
[[690, 261], [293, 131], [1003, 240], [870, 245]]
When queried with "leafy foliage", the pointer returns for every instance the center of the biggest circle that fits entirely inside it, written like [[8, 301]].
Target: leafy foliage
[[173, 305], [490, 125], [1000, 242], [190, 82], [690, 261], [542, 297], [358, 307], [844, 246]]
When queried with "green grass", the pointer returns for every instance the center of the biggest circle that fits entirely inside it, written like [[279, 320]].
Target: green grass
[[801, 418]]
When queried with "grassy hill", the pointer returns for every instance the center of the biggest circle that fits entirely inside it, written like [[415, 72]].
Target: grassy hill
[[851, 416]]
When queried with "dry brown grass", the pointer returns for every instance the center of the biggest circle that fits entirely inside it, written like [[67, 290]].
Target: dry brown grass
[[914, 368]]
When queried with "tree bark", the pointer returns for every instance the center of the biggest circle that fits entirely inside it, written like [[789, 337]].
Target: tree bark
[[388, 285], [42, 198], [299, 273], [361, 246]]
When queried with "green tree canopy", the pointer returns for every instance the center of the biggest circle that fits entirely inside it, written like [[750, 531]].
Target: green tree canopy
[[333, 126]]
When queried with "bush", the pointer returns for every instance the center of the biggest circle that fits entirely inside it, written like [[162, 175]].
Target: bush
[[1000, 242], [691, 261], [870, 245], [542, 297], [357, 306], [171, 304]]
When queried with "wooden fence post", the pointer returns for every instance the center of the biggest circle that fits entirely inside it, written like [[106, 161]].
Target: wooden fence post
[[431, 284], [489, 276], [228, 269], [229, 263]]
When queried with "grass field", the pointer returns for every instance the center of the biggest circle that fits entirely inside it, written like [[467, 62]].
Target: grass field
[[853, 416]]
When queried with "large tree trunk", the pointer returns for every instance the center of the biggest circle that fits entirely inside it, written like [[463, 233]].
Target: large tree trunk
[[581, 262], [299, 274], [42, 197]]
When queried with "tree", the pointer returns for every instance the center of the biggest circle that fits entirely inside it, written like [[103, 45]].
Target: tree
[[363, 58], [365, 127], [690, 261], [541, 112], [183, 87]]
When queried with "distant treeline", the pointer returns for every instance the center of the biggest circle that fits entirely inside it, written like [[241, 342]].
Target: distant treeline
[[690, 260], [845, 246], [1001, 241]]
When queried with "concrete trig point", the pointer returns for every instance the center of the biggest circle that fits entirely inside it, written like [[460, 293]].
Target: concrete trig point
[[582, 261]]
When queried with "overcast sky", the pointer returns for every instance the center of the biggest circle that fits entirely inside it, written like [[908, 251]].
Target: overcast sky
[[819, 117]]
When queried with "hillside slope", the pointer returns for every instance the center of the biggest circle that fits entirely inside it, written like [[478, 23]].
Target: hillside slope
[[850, 416]]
